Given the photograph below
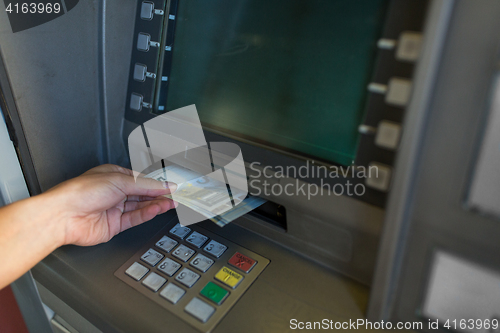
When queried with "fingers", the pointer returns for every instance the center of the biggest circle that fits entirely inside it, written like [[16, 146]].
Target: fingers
[[134, 205], [142, 198], [125, 183], [108, 168], [148, 183], [145, 213], [142, 186]]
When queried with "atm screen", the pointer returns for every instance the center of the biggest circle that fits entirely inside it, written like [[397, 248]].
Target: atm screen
[[288, 74]]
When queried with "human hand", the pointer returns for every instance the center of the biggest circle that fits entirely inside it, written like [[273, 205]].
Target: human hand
[[106, 200]]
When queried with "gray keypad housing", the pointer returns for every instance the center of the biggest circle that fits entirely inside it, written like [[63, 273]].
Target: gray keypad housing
[[187, 302]]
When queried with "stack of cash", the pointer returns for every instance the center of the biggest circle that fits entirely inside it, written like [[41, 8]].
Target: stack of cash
[[207, 196]]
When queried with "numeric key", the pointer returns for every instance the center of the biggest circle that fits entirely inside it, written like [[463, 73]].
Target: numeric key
[[169, 267], [215, 248], [187, 277], [152, 257], [183, 253]]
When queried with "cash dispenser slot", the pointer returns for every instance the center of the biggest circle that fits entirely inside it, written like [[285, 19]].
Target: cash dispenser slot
[[272, 213]]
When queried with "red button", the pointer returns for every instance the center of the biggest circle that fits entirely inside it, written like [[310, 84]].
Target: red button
[[242, 262]]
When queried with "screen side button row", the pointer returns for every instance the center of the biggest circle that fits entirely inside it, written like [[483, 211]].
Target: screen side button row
[[148, 10]]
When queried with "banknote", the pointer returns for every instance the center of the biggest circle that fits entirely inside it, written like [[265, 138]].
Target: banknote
[[248, 204], [206, 195]]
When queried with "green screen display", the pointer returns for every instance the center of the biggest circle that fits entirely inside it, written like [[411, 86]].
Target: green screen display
[[291, 74]]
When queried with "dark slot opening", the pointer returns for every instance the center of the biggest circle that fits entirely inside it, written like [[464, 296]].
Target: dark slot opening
[[272, 213]]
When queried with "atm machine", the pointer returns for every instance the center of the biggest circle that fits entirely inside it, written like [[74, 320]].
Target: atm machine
[[408, 88]]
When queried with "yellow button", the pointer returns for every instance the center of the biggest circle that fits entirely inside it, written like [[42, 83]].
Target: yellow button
[[229, 277]]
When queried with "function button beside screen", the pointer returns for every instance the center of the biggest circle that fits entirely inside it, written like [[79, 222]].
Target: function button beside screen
[[180, 231], [147, 9], [380, 180], [169, 267], [152, 257], [398, 91], [172, 293], [143, 41], [409, 46], [199, 309], [242, 262], [187, 277], [388, 135], [201, 263], [140, 71], [136, 271], [196, 239], [229, 277], [166, 243], [214, 293], [215, 248], [154, 281], [136, 102], [183, 252]]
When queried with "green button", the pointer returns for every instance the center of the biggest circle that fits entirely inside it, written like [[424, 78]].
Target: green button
[[214, 293]]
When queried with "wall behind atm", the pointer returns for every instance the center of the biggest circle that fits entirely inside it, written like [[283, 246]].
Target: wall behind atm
[[69, 80]]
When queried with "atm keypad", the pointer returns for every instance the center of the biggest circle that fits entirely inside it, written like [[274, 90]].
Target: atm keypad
[[196, 239], [169, 267], [201, 263], [187, 277], [193, 273], [166, 243], [180, 231], [229, 277], [154, 281], [215, 248], [172, 293], [183, 253], [136, 271], [152, 257], [242, 262], [200, 309]]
